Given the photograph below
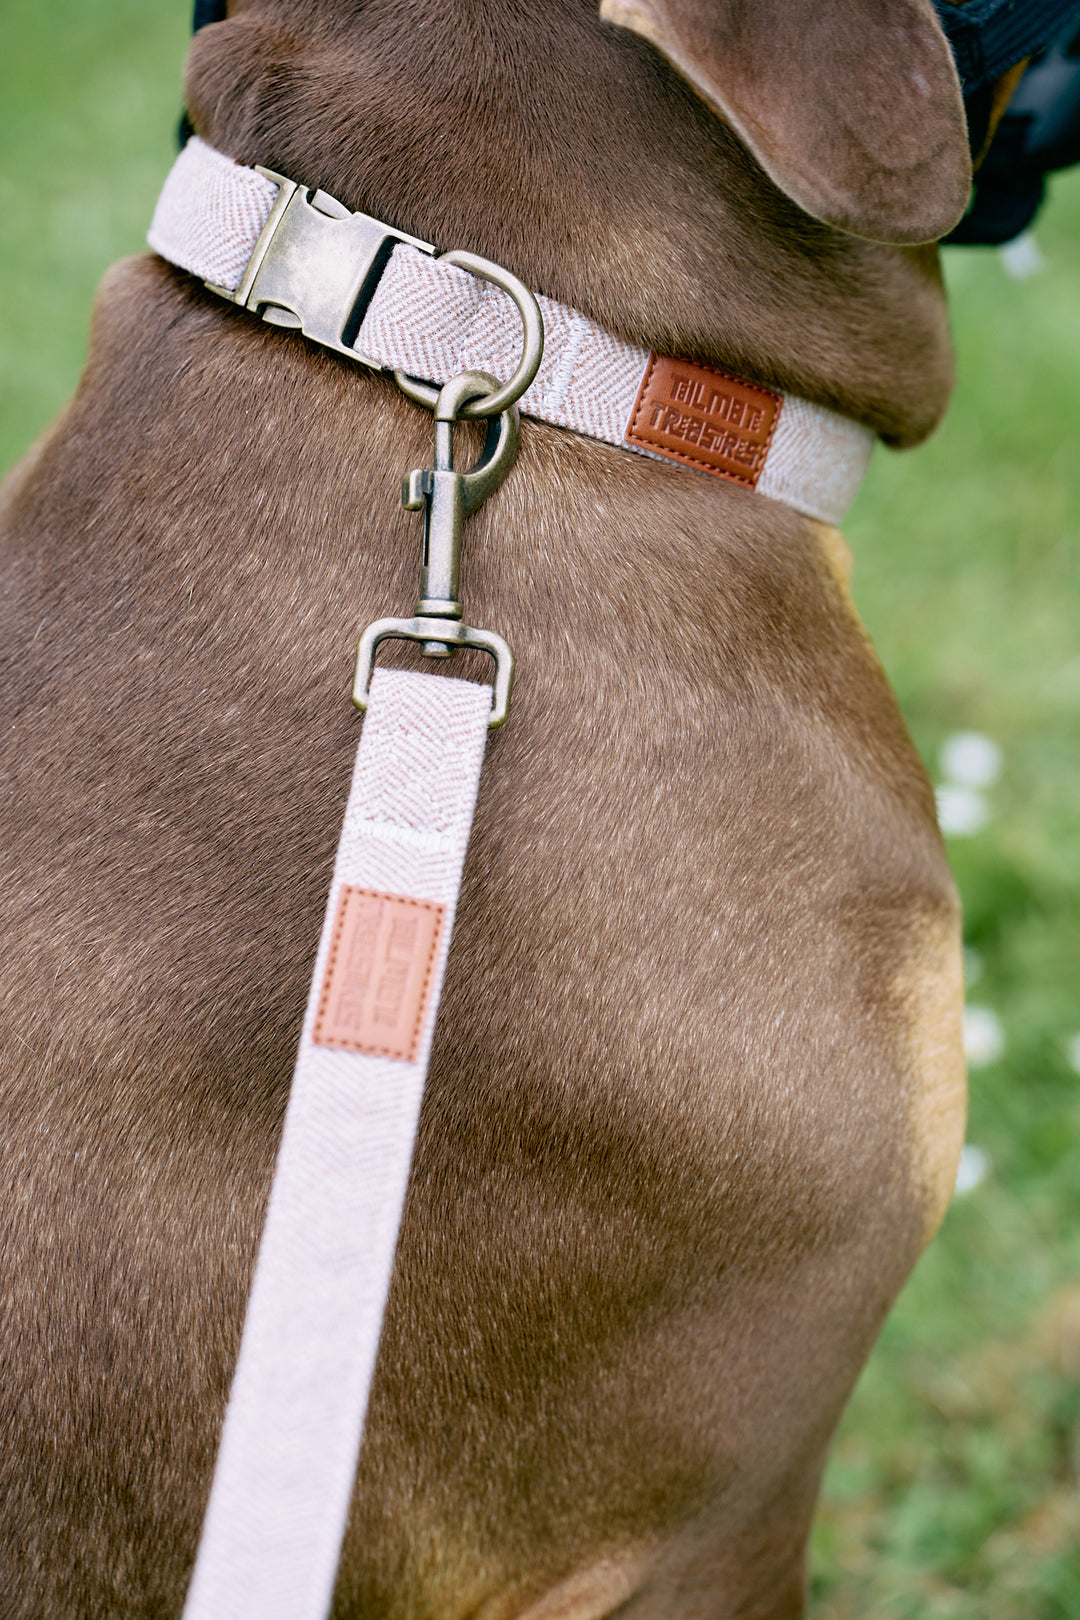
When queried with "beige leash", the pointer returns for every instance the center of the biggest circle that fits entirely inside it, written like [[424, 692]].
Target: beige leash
[[287, 1460]]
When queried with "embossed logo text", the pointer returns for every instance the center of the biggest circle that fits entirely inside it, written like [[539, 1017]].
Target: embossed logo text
[[702, 417], [378, 975]]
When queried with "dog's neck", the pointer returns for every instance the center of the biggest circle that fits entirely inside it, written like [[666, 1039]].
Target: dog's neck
[[571, 152]]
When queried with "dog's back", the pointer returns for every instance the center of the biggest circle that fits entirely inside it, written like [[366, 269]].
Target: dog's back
[[695, 1096]]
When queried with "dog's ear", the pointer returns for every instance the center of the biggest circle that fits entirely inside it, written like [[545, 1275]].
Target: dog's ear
[[852, 107]]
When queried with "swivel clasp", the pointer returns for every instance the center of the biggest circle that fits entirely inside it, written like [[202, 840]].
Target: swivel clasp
[[447, 497]]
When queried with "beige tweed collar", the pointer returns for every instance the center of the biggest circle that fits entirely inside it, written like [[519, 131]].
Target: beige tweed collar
[[406, 311]]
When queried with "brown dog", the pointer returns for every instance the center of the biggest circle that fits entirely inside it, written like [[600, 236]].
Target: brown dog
[[697, 1093]]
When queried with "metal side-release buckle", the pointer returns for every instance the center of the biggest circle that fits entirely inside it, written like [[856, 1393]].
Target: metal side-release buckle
[[315, 266]]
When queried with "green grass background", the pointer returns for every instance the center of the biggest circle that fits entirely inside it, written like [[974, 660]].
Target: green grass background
[[953, 1487]]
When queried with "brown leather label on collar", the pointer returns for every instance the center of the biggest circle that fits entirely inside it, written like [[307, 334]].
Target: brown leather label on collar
[[704, 418], [377, 982]]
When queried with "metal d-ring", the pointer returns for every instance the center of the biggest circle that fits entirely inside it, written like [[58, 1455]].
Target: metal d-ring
[[532, 350]]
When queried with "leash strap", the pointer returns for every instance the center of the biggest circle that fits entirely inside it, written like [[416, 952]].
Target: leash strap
[[411, 312], [291, 1437]]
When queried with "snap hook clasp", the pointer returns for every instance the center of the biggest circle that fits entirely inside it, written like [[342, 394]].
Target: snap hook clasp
[[447, 498]]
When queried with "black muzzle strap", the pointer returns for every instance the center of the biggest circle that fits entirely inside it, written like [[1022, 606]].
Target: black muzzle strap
[[988, 37], [206, 12], [1040, 129]]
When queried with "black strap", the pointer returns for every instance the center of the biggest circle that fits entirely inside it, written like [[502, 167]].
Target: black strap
[[208, 11], [988, 37]]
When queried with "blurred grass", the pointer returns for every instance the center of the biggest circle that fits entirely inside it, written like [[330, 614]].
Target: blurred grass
[[952, 1493], [89, 102]]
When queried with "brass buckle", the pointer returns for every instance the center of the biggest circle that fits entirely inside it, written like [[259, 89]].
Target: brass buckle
[[315, 266]]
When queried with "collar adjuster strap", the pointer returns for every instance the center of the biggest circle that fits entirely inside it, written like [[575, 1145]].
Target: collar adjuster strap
[[381, 297]]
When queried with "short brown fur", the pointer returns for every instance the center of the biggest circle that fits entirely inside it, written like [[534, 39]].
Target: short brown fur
[[695, 1097]]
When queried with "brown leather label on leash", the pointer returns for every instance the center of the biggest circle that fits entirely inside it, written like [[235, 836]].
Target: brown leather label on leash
[[704, 418], [379, 974]]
